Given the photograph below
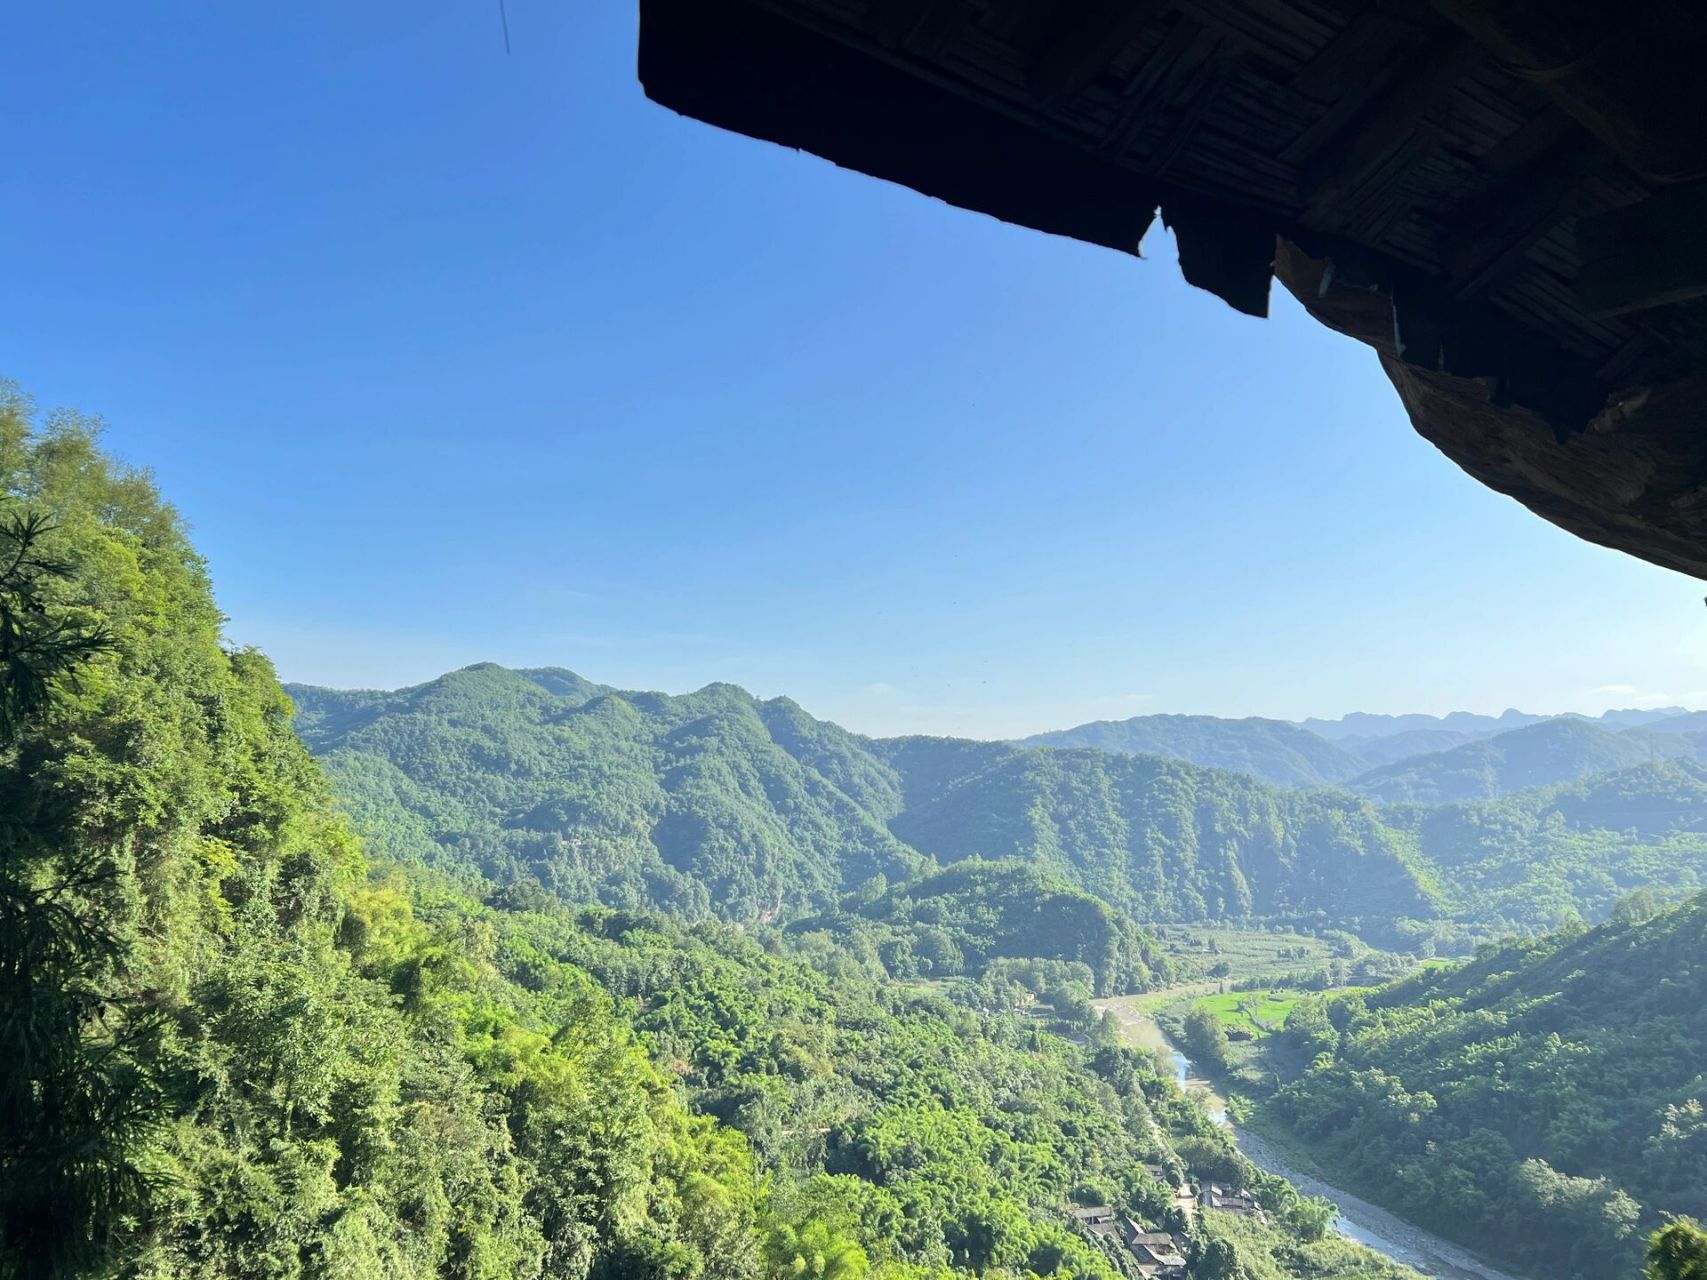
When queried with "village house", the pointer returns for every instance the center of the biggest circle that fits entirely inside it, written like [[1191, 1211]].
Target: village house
[[1098, 1220], [1157, 1254], [1229, 1200]]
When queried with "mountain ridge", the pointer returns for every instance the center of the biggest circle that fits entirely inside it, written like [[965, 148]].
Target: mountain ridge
[[718, 803]]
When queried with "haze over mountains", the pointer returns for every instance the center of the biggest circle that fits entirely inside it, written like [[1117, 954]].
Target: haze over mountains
[[717, 803], [1461, 756], [226, 1022]]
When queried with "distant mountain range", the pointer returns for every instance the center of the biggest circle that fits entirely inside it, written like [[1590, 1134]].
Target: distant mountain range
[[1273, 750], [1395, 759], [716, 803], [1364, 725]]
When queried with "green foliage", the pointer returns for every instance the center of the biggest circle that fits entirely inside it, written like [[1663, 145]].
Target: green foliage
[[1678, 1252], [222, 1050], [957, 921], [72, 1100], [1539, 858], [1272, 750], [1242, 1248], [925, 1129], [1158, 839], [1538, 755], [1206, 1038], [1538, 1102]]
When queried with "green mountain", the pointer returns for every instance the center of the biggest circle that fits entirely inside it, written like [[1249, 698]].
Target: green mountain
[[224, 1051], [960, 920], [1538, 755], [1539, 857], [232, 1047], [1161, 839], [718, 803], [1543, 1102], [1271, 750], [712, 800]]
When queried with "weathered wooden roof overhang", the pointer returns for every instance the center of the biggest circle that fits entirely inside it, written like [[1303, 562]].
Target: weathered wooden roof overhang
[[1507, 199]]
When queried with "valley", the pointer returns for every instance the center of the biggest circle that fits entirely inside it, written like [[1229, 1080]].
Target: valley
[[719, 804], [666, 647], [1358, 1220], [515, 974]]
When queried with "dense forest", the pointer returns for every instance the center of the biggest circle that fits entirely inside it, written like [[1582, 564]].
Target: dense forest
[[1543, 1102], [1551, 855], [1392, 759], [236, 1045], [1272, 750], [708, 803], [1541, 755], [957, 921], [719, 804], [226, 1051]]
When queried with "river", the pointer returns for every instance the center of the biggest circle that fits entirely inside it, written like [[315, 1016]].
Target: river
[[1368, 1224]]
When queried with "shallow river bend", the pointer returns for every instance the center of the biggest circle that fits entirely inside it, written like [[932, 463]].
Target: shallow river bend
[[1368, 1224]]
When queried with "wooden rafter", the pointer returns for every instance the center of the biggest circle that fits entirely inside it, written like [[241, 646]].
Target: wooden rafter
[[1334, 171], [1647, 255], [1490, 243], [1082, 38]]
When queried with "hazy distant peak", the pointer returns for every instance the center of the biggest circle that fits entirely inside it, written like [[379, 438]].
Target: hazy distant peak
[[1373, 725], [1541, 754], [1273, 750]]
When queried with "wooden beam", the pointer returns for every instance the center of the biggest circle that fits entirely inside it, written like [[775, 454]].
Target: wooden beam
[[1339, 166], [1492, 241], [1083, 38], [1206, 88], [1645, 255], [919, 26], [1176, 61]]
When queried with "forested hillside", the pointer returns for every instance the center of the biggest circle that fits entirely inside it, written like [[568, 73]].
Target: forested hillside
[[1544, 855], [224, 1052], [1272, 750], [230, 1047], [713, 802], [718, 804], [958, 921], [1164, 840], [1542, 755], [1544, 1101]]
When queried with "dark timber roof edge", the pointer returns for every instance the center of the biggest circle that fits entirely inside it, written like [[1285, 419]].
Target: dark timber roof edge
[[1418, 194]]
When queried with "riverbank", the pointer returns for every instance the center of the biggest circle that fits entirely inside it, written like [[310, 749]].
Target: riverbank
[[1368, 1224]]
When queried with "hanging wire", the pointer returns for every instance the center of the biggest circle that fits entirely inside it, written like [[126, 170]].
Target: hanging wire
[[504, 17]]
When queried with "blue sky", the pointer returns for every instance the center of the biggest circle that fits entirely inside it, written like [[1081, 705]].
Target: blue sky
[[449, 355]]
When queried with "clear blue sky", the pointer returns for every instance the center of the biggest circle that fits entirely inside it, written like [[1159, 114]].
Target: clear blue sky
[[452, 356]]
